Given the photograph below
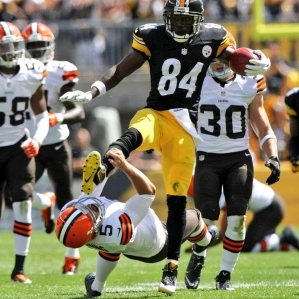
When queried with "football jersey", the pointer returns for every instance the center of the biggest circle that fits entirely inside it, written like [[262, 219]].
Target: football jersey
[[223, 113], [177, 70], [292, 102], [15, 96], [60, 73], [119, 233], [262, 196]]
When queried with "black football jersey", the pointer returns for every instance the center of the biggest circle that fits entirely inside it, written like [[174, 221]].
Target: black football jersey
[[177, 70], [292, 102]]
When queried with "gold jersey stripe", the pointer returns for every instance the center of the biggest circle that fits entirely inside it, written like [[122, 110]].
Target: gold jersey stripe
[[139, 45]]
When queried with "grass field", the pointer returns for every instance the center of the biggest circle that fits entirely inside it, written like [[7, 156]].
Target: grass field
[[261, 275]]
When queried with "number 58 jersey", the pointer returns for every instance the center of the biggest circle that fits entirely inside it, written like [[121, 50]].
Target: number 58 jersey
[[223, 113], [15, 96]]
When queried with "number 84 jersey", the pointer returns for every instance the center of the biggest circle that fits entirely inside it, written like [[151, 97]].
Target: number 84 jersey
[[223, 113]]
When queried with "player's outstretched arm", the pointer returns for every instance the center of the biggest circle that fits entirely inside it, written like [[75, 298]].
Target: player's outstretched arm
[[140, 181]]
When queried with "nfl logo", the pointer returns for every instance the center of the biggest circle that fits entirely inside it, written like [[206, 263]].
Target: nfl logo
[[184, 51], [223, 93], [201, 157]]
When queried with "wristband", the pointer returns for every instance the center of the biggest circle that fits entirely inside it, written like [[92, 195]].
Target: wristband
[[100, 87], [268, 136]]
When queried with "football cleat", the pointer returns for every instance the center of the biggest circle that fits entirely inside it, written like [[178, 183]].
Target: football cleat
[[21, 278], [89, 279], [192, 276], [93, 172], [48, 213], [169, 278], [223, 281], [288, 236], [196, 263], [70, 266]]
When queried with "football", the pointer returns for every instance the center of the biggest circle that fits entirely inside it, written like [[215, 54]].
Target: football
[[240, 58]]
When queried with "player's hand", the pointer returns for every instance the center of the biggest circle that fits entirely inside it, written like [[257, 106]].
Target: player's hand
[[294, 164], [274, 165], [30, 147], [77, 96], [258, 66], [55, 118]]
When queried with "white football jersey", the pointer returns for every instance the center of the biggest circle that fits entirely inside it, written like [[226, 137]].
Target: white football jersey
[[59, 74], [15, 95], [223, 113], [120, 233], [261, 197]]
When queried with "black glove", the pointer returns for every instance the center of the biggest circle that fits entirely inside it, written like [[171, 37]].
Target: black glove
[[274, 165], [294, 164]]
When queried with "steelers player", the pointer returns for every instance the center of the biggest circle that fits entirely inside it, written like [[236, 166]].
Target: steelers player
[[179, 52]]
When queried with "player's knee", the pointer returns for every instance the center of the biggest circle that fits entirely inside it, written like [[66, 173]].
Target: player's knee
[[237, 207], [210, 210]]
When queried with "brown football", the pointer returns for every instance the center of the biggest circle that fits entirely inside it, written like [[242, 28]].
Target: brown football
[[240, 58]]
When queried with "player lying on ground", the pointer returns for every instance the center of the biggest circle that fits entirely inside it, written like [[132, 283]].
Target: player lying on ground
[[114, 228]]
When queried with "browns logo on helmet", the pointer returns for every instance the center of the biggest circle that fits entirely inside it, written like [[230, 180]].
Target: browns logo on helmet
[[40, 41], [183, 18], [11, 44]]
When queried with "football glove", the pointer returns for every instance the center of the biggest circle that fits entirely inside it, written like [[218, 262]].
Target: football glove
[[55, 118], [77, 96], [30, 147], [294, 164], [274, 165], [258, 66]]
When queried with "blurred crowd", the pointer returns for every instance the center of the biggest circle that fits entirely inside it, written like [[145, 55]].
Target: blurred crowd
[[120, 10]]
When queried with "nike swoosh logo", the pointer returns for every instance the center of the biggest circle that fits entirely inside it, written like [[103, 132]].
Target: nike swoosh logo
[[58, 147], [247, 155], [87, 180]]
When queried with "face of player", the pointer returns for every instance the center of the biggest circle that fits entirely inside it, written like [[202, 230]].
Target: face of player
[[182, 24], [9, 53], [36, 49], [220, 70]]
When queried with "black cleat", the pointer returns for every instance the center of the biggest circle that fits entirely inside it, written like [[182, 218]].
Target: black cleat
[[168, 282], [223, 281], [288, 236], [89, 278]]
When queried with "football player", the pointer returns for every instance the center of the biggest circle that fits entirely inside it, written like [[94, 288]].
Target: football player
[[229, 103], [268, 210], [179, 53], [21, 86], [114, 228], [292, 108], [55, 154]]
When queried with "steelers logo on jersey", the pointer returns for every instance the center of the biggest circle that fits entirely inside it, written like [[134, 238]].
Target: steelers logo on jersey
[[206, 51]]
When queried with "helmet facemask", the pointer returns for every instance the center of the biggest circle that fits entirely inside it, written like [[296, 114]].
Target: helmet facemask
[[79, 222], [11, 49], [222, 70], [186, 28]]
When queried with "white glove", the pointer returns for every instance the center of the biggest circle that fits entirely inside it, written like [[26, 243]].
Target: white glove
[[258, 66], [77, 96]]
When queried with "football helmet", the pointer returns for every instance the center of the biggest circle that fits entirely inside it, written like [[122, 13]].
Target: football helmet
[[217, 68], [39, 41], [11, 44], [79, 222], [183, 18]]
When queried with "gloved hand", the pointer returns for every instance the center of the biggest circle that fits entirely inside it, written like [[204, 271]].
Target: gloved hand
[[258, 66], [30, 147], [294, 164], [55, 118], [274, 165], [77, 96]]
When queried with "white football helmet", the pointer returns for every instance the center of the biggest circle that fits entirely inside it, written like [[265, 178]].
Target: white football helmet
[[79, 222], [217, 68], [40, 42], [11, 44]]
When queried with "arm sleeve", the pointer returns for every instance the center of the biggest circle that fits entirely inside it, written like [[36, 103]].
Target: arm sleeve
[[41, 127]]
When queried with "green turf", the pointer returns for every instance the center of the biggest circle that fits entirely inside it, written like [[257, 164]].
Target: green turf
[[261, 275]]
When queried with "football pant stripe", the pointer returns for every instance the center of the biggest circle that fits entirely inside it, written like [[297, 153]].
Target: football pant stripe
[[127, 230]]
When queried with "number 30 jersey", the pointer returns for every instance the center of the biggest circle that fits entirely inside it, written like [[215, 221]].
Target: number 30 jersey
[[177, 70], [223, 113], [15, 96]]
